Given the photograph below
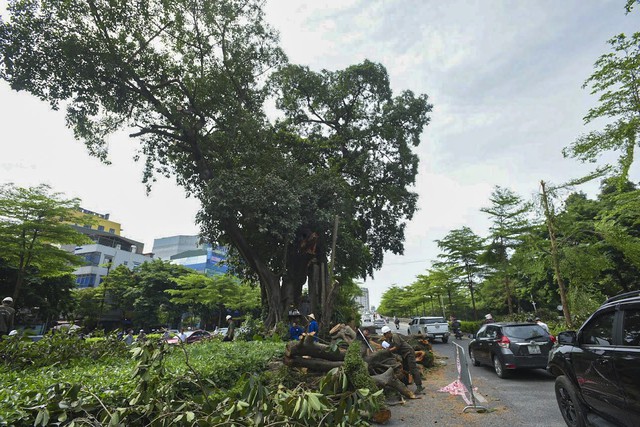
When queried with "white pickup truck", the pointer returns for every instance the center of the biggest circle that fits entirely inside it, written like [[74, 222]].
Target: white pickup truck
[[432, 327]]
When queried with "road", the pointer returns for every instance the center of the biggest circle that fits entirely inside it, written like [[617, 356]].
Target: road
[[525, 399]]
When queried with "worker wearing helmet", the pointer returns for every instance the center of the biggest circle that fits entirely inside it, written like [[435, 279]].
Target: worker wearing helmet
[[400, 346]]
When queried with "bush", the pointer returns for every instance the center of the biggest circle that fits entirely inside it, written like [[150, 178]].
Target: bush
[[160, 373], [59, 349]]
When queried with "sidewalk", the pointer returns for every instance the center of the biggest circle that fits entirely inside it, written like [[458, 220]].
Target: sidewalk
[[443, 409]]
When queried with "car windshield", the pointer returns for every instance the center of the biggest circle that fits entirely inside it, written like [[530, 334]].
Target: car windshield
[[524, 332]]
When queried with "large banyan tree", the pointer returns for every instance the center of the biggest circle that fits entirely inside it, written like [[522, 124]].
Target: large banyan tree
[[190, 79]]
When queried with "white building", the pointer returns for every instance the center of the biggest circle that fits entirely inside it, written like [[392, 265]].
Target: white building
[[107, 252], [363, 300], [166, 247]]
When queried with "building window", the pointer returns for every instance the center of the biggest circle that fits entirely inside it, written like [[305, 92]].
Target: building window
[[112, 231], [86, 280], [87, 226], [101, 228], [91, 258], [125, 263]]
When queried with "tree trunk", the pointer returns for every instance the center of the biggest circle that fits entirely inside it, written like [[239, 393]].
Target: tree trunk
[[507, 288], [555, 256], [269, 282], [388, 379]]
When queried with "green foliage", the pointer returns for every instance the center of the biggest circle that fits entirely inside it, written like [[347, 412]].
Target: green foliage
[[161, 375], [142, 292], [251, 329], [206, 295], [469, 326], [179, 386], [33, 223], [191, 77], [357, 372], [616, 81], [56, 349]]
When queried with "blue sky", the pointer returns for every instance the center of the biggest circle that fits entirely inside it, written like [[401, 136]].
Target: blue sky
[[504, 77]]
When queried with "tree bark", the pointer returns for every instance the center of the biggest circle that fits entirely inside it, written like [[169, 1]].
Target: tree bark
[[555, 256], [389, 379]]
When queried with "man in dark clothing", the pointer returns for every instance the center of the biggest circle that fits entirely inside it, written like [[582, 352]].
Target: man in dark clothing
[[230, 330], [408, 354], [456, 325], [7, 315]]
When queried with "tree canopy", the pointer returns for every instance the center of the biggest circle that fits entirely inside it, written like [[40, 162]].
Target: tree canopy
[[190, 77], [617, 81], [34, 222]]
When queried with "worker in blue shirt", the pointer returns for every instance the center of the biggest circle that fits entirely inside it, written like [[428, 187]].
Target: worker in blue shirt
[[312, 329], [295, 331]]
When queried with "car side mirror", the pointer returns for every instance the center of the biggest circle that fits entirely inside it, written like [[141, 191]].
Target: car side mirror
[[567, 337]]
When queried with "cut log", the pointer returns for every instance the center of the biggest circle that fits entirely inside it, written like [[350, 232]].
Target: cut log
[[342, 332], [388, 379], [308, 347], [316, 365]]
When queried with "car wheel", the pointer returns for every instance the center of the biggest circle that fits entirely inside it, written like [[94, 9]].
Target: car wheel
[[501, 371], [570, 407], [445, 339], [472, 356]]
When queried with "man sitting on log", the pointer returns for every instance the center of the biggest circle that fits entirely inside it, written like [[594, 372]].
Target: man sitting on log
[[402, 348]]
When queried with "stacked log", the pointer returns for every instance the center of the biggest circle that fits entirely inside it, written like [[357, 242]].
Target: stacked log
[[383, 366]]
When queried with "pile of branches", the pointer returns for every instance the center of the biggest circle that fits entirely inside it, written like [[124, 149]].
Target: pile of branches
[[384, 367]]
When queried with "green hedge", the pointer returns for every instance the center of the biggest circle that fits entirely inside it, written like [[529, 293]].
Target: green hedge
[[110, 377]]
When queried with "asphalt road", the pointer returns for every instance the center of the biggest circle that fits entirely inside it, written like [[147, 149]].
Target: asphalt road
[[525, 399]]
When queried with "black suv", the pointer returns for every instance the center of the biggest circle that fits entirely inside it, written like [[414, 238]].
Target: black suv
[[597, 369]]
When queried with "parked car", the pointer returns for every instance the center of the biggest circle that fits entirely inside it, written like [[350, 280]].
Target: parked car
[[220, 332], [509, 346], [379, 323], [597, 369], [432, 327], [191, 337]]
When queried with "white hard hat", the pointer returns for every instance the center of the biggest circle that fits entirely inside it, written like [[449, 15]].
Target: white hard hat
[[12, 333], [385, 329], [228, 316], [488, 316], [8, 299]]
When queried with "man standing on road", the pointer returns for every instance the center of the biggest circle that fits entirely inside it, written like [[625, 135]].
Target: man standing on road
[[488, 318], [541, 323], [402, 347], [7, 315]]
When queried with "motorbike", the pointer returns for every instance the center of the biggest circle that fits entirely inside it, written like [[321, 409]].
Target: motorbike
[[458, 333]]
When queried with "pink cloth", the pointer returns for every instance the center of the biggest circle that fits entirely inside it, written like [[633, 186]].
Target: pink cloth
[[456, 388]]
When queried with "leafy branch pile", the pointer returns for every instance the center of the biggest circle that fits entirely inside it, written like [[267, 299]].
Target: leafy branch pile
[[160, 385]]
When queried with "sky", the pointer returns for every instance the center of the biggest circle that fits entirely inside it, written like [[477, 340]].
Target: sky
[[505, 79]]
